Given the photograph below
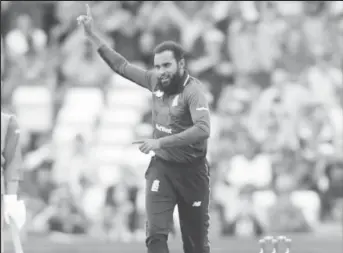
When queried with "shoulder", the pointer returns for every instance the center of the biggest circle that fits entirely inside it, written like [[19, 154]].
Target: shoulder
[[195, 88]]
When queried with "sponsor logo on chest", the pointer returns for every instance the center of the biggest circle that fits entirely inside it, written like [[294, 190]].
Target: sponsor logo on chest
[[163, 129]]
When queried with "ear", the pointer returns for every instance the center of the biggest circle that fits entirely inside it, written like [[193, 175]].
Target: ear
[[182, 64]]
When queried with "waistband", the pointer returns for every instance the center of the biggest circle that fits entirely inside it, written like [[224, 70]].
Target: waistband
[[195, 162]]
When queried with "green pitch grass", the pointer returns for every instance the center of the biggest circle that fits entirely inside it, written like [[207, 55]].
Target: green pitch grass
[[301, 244]]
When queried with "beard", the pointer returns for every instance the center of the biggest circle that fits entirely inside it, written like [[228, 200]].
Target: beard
[[173, 85]]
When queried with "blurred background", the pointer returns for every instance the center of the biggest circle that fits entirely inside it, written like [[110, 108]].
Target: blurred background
[[273, 75]]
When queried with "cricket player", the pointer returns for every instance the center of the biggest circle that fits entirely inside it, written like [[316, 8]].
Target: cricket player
[[178, 173], [11, 208]]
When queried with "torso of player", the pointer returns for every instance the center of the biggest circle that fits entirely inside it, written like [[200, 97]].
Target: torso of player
[[171, 115]]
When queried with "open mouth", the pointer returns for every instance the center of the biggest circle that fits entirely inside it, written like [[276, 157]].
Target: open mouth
[[165, 79]]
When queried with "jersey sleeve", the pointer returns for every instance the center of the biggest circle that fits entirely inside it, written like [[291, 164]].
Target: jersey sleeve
[[12, 152], [121, 66], [199, 109]]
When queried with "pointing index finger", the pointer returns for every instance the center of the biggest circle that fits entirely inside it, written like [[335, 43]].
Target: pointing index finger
[[138, 142]]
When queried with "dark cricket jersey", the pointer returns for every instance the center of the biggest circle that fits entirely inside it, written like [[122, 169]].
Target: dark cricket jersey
[[10, 151], [180, 121]]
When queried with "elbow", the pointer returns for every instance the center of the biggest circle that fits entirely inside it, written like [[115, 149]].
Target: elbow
[[114, 60], [207, 134], [205, 131]]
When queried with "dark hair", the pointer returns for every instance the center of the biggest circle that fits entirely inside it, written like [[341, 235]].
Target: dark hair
[[169, 45]]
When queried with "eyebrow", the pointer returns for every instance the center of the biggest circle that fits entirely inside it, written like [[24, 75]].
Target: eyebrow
[[164, 63]]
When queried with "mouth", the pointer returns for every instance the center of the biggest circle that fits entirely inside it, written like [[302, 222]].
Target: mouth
[[165, 80]]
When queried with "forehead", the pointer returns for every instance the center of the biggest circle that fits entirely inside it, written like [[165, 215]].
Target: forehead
[[164, 57]]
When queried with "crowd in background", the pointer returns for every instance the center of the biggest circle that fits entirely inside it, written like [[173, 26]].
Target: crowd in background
[[273, 72]]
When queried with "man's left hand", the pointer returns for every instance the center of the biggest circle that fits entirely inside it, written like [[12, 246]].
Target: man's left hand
[[146, 146]]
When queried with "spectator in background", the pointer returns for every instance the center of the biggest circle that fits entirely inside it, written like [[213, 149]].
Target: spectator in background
[[269, 29], [315, 130], [25, 39], [127, 32], [84, 68], [325, 81], [252, 167], [213, 67], [79, 166], [242, 38], [284, 216], [295, 56], [25, 44], [275, 112], [333, 197], [116, 213], [38, 189], [146, 45], [291, 191], [284, 162], [62, 215], [76, 165], [233, 108], [44, 183], [66, 217], [176, 21], [245, 222], [65, 12], [251, 170]]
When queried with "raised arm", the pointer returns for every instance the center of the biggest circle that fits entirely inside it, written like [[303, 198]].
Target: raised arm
[[113, 59]]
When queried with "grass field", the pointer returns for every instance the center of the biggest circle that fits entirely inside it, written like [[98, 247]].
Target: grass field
[[301, 244]]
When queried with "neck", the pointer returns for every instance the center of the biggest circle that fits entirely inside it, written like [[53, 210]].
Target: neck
[[182, 83]]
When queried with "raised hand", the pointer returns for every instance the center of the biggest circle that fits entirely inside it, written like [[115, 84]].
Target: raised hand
[[86, 21]]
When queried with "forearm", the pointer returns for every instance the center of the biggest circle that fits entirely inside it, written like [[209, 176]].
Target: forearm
[[120, 65], [96, 40], [113, 59], [198, 132]]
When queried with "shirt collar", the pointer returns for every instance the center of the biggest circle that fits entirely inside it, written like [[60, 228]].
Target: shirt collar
[[185, 79]]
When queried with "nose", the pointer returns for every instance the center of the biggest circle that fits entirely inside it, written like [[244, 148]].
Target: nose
[[162, 72]]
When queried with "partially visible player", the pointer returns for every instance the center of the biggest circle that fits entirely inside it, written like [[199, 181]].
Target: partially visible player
[[178, 173], [11, 162]]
